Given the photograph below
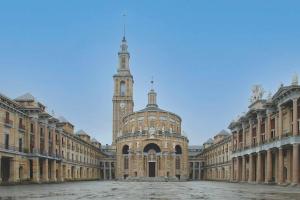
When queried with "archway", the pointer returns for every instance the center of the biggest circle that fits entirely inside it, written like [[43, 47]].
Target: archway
[[152, 149]]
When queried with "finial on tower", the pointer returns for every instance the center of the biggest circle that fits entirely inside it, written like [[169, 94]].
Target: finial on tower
[[124, 26], [152, 82]]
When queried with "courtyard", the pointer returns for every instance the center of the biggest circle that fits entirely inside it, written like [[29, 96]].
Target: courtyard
[[148, 190]]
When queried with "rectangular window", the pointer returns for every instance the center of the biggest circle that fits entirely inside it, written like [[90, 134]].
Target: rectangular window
[[41, 132], [20, 145], [6, 141], [31, 143], [31, 128], [126, 162], [177, 163], [20, 123], [7, 116]]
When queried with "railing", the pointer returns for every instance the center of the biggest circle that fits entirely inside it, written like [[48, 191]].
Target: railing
[[21, 126], [13, 148], [8, 122]]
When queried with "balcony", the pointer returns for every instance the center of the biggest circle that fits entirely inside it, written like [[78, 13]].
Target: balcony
[[8, 122], [21, 127], [272, 143], [12, 148]]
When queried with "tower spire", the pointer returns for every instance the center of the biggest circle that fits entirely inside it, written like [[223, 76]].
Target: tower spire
[[124, 26], [152, 82]]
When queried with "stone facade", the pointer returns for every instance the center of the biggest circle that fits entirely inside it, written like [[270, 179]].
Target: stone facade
[[266, 139], [37, 147], [148, 142], [217, 157]]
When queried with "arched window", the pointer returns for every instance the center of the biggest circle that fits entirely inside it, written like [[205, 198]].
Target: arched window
[[151, 146], [125, 149], [178, 149], [122, 88], [123, 60]]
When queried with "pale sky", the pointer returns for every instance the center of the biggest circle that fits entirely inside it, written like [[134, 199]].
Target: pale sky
[[204, 56]]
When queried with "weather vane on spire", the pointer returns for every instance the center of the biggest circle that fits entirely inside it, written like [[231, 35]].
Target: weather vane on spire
[[124, 24], [152, 82]]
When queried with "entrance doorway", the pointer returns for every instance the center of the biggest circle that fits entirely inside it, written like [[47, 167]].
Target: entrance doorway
[[5, 169], [151, 169]]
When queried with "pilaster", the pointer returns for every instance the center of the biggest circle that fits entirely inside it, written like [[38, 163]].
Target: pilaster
[[295, 117], [280, 165], [295, 163]]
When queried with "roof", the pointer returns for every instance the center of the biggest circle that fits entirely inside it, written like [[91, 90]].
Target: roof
[[209, 141], [81, 132], [94, 140], [223, 133], [25, 97], [62, 119]]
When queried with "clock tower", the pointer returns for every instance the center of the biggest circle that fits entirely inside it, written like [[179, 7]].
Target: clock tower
[[123, 90]]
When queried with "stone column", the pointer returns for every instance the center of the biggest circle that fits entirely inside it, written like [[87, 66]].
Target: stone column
[[45, 170], [250, 168], [258, 134], [109, 170], [193, 170], [199, 170], [36, 170], [295, 116], [238, 139], [14, 171], [258, 168], [269, 166], [104, 170], [244, 135], [243, 168], [0, 170], [36, 137], [53, 171], [268, 126], [251, 133], [53, 142], [279, 121], [295, 163], [289, 165], [60, 172], [232, 169], [280, 165], [238, 171], [46, 139]]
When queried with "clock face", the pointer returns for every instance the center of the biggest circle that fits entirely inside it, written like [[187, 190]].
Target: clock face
[[122, 105]]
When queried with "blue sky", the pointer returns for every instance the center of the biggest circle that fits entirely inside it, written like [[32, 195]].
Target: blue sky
[[204, 56]]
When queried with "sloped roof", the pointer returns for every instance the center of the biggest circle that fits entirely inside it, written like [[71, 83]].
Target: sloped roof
[[62, 119], [25, 97], [81, 132], [209, 141], [223, 132]]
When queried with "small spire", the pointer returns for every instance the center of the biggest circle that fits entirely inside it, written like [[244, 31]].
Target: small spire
[[152, 82], [124, 26]]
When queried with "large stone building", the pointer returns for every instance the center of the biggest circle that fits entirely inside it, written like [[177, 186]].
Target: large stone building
[[266, 139], [148, 142], [217, 157], [37, 147]]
